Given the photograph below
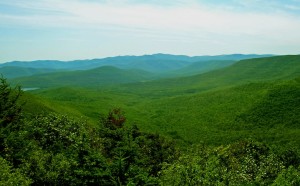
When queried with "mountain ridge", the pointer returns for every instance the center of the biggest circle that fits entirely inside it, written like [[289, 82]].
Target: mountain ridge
[[128, 61]]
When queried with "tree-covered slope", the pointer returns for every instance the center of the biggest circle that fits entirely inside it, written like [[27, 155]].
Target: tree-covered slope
[[280, 107], [95, 77], [201, 67], [265, 111], [33, 105]]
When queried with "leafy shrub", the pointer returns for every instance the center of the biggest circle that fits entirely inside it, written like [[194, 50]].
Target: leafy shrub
[[11, 177], [288, 177], [241, 163]]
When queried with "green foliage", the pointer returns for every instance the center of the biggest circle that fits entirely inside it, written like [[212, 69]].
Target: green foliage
[[48, 168], [10, 111], [10, 176], [45, 148], [135, 157], [56, 133], [241, 163], [288, 177]]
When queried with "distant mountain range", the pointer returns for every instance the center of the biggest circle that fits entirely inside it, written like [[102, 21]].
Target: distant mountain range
[[151, 63], [113, 70]]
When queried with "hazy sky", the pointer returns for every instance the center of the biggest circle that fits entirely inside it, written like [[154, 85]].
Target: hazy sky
[[85, 29]]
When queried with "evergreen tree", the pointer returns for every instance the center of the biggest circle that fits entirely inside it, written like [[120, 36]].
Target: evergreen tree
[[10, 109]]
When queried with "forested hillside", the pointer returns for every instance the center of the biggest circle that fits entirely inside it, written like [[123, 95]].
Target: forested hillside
[[106, 75]]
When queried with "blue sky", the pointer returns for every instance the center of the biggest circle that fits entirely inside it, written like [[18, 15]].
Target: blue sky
[[85, 29]]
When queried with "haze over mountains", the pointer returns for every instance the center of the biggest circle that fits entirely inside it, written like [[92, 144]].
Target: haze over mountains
[[157, 63], [146, 62]]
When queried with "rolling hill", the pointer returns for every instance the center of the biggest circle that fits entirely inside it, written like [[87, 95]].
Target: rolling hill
[[86, 78], [201, 67]]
